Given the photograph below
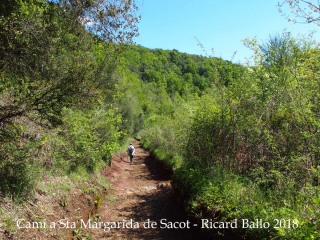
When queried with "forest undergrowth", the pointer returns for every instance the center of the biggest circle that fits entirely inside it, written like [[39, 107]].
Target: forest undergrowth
[[242, 140]]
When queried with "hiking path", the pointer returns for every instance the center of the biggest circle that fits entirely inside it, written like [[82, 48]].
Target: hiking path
[[141, 193]]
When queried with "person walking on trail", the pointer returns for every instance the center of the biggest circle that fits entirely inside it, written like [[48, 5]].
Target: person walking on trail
[[131, 152]]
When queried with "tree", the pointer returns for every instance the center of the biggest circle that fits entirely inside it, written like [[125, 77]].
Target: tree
[[110, 20], [48, 58], [307, 11], [56, 55]]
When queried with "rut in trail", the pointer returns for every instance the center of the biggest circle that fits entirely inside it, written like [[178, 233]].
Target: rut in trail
[[139, 192]]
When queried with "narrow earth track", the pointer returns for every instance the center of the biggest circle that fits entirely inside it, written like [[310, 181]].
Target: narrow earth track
[[139, 192]]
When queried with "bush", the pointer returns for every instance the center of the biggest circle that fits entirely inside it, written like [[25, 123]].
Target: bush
[[87, 139], [19, 169]]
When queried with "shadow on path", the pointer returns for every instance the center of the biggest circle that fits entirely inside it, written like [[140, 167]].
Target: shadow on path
[[142, 192]]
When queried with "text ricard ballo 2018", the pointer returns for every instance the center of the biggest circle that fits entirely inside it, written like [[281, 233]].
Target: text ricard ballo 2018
[[162, 224]]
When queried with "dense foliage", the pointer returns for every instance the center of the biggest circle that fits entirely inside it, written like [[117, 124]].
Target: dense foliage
[[56, 82], [243, 141]]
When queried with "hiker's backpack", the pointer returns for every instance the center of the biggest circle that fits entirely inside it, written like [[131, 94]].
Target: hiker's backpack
[[130, 149]]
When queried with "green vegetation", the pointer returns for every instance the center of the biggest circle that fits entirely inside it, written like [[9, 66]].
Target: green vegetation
[[243, 141], [56, 83]]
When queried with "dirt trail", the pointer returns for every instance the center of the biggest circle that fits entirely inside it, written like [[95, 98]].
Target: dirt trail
[[140, 191]]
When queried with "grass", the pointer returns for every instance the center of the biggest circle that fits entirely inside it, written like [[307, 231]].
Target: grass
[[112, 198], [10, 224], [52, 191], [9, 213], [102, 181], [211, 194]]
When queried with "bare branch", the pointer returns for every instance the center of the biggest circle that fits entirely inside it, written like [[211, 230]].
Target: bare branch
[[307, 11]]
